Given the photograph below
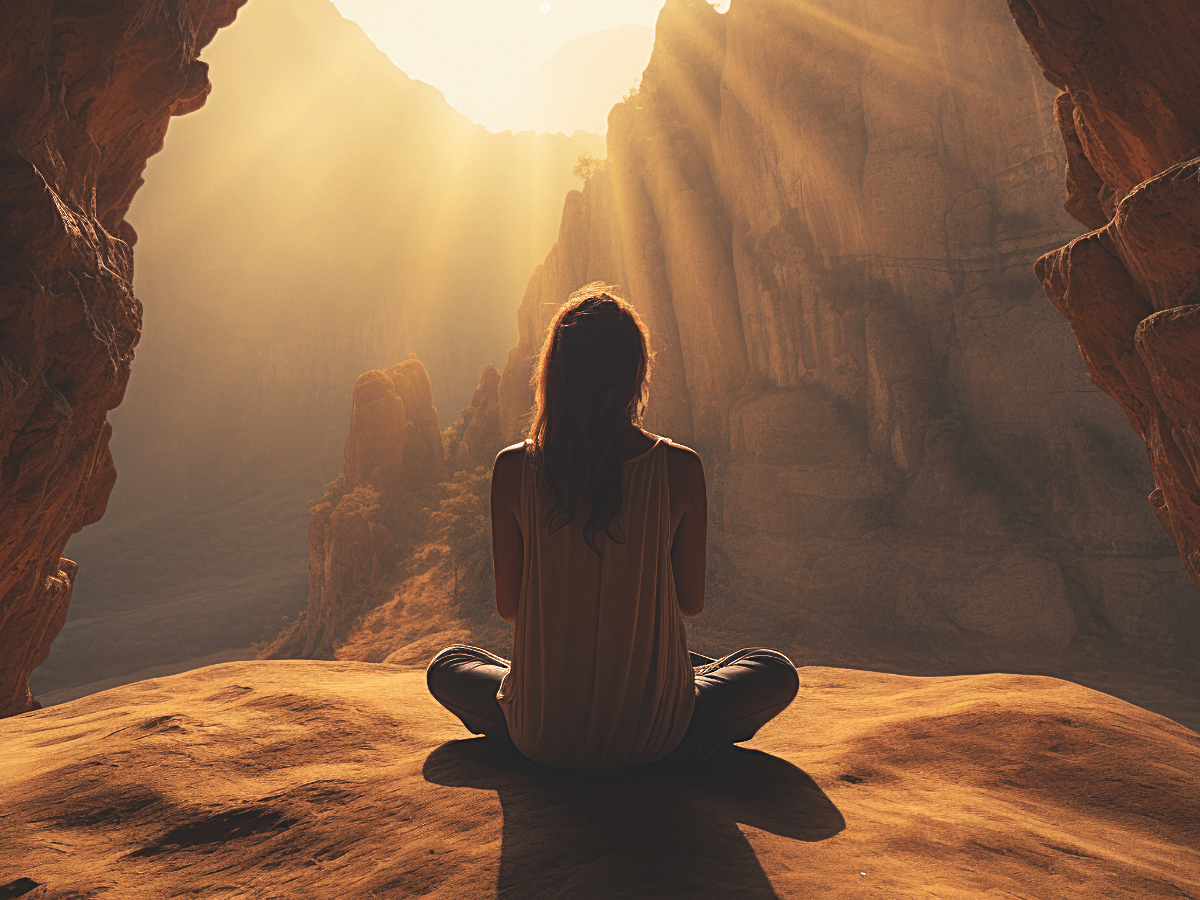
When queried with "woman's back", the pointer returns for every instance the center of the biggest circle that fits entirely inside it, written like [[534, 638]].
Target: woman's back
[[598, 545], [600, 675]]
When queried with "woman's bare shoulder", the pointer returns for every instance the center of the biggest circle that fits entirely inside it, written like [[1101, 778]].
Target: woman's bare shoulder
[[682, 455], [512, 454], [686, 472], [506, 472]]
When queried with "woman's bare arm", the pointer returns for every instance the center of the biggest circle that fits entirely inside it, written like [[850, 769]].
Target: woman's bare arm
[[689, 501], [508, 546]]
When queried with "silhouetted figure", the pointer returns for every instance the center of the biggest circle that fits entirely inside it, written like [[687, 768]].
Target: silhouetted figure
[[598, 536]]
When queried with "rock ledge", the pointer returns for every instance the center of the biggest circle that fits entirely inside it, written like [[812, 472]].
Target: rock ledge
[[340, 779]]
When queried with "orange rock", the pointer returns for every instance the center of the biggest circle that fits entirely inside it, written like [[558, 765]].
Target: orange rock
[[476, 438], [374, 512], [1130, 117], [345, 779], [86, 94]]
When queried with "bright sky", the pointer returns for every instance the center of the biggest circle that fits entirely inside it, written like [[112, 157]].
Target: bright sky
[[482, 53]]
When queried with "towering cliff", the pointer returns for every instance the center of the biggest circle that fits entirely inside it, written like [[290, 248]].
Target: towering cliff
[[827, 213], [1129, 113], [86, 92]]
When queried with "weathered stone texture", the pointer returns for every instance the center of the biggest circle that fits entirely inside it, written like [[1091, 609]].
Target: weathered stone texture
[[1129, 113], [975, 786], [86, 92], [476, 438]]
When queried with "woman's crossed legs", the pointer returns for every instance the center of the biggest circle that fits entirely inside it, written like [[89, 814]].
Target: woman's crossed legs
[[735, 695]]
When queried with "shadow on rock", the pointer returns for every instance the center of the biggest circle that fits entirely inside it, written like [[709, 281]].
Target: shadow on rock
[[665, 830]]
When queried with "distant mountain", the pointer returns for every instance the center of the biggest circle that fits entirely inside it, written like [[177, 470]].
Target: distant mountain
[[324, 214], [576, 87]]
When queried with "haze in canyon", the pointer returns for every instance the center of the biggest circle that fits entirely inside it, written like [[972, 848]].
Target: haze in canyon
[[832, 240], [321, 215], [493, 59]]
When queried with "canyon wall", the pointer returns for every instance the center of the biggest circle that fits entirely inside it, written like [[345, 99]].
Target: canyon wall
[[827, 214], [1129, 113], [86, 92]]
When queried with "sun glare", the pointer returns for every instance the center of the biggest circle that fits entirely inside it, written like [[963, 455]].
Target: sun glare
[[489, 56]]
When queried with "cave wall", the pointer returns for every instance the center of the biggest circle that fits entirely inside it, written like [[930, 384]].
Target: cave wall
[[86, 92], [1129, 114], [827, 214]]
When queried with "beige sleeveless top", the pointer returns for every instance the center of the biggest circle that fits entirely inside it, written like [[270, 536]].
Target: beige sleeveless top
[[600, 675]]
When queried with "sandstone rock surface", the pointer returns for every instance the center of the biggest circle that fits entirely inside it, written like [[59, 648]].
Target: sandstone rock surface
[[1129, 113], [86, 92], [338, 779], [827, 214]]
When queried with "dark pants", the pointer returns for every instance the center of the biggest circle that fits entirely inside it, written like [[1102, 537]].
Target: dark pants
[[735, 695]]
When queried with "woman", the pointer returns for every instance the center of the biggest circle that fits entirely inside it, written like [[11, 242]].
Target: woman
[[598, 538]]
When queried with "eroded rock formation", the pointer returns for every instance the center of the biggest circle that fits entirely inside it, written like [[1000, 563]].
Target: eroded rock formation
[[400, 541], [827, 214], [1129, 113], [478, 434], [86, 92], [372, 514]]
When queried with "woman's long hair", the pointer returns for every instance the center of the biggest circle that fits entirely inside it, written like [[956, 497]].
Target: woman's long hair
[[591, 383]]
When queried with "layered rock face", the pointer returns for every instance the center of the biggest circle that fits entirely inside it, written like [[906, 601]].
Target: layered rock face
[[86, 92], [827, 215], [1129, 113]]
